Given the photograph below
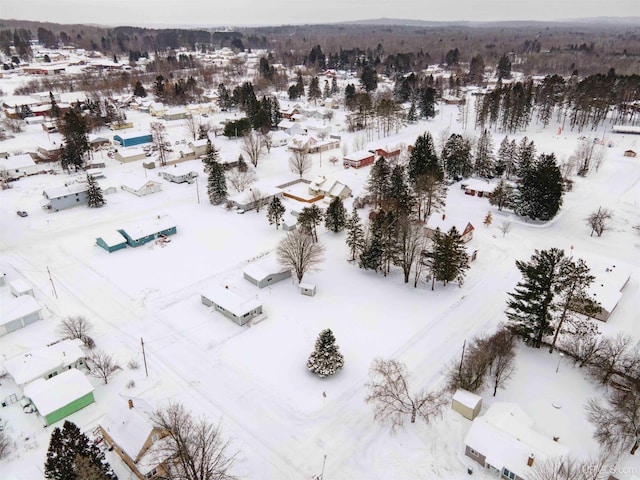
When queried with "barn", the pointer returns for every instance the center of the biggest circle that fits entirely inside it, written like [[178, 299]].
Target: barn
[[60, 396], [358, 159], [145, 232], [265, 272], [131, 139], [231, 305], [18, 312], [112, 241]]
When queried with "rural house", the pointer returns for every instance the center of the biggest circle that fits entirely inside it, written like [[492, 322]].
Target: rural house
[[479, 188], [126, 155], [140, 186], [46, 363], [358, 159], [606, 289], [265, 272], [145, 232], [177, 174], [18, 166], [503, 441], [231, 305], [18, 312], [254, 197], [59, 198], [329, 188], [444, 223], [129, 430], [61, 396]]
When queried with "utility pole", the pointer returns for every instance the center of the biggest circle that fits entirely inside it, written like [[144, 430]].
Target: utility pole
[[323, 462], [144, 357], [197, 191], [52, 284]]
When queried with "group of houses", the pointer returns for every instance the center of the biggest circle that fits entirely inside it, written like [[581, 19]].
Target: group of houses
[[19, 306]]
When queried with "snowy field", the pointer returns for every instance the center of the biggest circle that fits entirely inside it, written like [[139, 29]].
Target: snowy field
[[282, 419]]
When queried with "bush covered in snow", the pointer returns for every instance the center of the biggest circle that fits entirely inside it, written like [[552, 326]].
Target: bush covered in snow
[[326, 359]]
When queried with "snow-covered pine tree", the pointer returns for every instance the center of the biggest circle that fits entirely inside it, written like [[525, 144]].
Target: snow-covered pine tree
[[355, 234], [424, 160], [373, 251], [216, 184], [484, 163], [456, 156], [336, 216], [95, 198], [540, 190], [326, 358], [275, 212], [400, 198], [448, 258], [378, 182], [65, 447], [309, 218]]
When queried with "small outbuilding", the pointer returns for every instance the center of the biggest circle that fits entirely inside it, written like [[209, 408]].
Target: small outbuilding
[[630, 153], [308, 289], [231, 305], [112, 241], [20, 287], [18, 312], [126, 155], [140, 186], [358, 159], [466, 404], [265, 272], [61, 396], [131, 139]]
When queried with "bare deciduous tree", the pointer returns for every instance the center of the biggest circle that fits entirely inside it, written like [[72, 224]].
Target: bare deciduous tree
[[76, 327], [267, 140], [501, 357], [617, 423], [159, 134], [299, 252], [599, 221], [359, 142], [300, 162], [253, 146], [14, 125], [257, 198], [197, 446], [568, 468], [192, 127], [411, 242], [241, 180], [470, 370], [582, 340], [393, 402], [102, 366], [614, 356], [6, 444]]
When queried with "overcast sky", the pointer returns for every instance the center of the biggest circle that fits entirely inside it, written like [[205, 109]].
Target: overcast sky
[[260, 12]]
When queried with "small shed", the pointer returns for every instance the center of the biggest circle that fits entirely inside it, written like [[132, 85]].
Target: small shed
[[140, 186], [61, 396], [466, 404], [132, 139], [630, 153], [231, 305], [358, 159], [18, 312], [112, 241], [145, 232], [265, 272], [308, 289], [20, 287], [126, 155]]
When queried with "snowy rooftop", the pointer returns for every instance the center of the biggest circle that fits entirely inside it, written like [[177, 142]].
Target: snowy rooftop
[[445, 222], [179, 171], [230, 300], [359, 155], [130, 135], [608, 284], [113, 238], [150, 227], [36, 363], [129, 427], [18, 307], [504, 435], [135, 182], [20, 286], [263, 268], [59, 192], [130, 152], [17, 161], [466, 398], [51, 395]]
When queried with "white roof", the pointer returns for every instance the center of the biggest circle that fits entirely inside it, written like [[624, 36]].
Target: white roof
[[200, 143], [113, 238], [129, 427], [135, 182], [21, 286], [280, 135], [59, 192], [18, 307], [51, 395], [445, 224], [130, 152], [625, 129], [179, 171], [263, 268], [609, 281], [36, 363], [466, 398], [231, 301], [23, 160], [150, 227], [359, 155], [504, 435], [480, 185]]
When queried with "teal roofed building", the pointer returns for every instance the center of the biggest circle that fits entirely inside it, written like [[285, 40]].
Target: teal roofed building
[[132, 139], [144, 232], [112, 241]]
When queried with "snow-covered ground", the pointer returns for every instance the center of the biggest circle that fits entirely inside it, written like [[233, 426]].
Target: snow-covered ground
[[283, 419]]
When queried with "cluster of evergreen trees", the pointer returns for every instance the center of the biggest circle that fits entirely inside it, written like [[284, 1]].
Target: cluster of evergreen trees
[[261, 114]]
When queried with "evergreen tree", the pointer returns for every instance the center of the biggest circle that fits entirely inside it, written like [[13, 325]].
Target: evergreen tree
[[506, 158], [399, 196], [139, 90], [456, 156], [336, 216], [326, 358], [427, 102], [540, 191], [378, 182], [368, 79], [203, 132], [327, 89], [275, 211], [55, 109], [216, 179], [95, 198], [314, 92], [530, 308], [423, 159], [502, 196], [300, 84], [309, 218], [525, 155], [75, 130], [355, 234], [412, 114], [448, 260], [504, 67], [484, 161], [66, 447], [334, 86], [211, 155]]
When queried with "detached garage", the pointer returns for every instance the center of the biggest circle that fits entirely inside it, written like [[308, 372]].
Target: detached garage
[[112, 241], [265, 272], [61, 396], [18, 312]]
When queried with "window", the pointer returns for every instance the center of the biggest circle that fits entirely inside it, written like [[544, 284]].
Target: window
[[473, 452], [154, 437], [53, 374], [508, 474], [152, 473]]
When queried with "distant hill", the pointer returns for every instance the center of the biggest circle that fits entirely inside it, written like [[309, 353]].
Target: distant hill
[[507, 23]]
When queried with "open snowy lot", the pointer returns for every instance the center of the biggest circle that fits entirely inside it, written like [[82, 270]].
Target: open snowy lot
[[282, 419]]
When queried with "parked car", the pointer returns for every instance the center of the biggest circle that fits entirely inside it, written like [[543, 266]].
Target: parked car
[[22, 213]]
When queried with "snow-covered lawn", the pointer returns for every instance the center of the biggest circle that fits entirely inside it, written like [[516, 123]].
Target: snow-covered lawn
[[281, 418]]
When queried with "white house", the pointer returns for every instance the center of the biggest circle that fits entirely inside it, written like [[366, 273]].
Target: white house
[[179, 174], [140, 186], [253, 197], [504, 442], [280, 138], [231, 305], [18, 312], [329, 187], [126, 155], [46, 362], [265, 272], [18, 166]]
